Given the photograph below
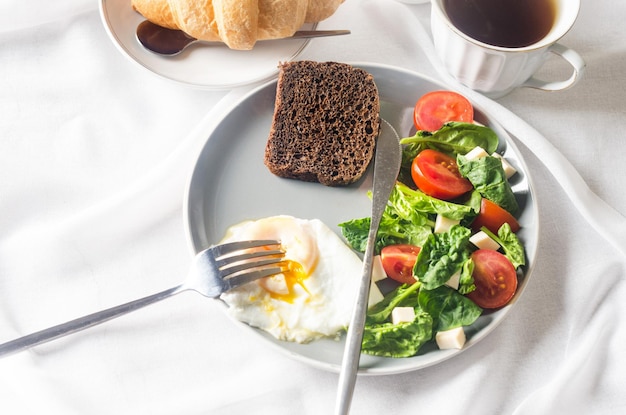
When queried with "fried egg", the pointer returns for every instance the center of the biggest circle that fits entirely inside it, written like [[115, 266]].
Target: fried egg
[[314, 297]]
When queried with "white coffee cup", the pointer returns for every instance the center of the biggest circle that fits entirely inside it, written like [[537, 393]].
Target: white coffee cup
[[495, 71]]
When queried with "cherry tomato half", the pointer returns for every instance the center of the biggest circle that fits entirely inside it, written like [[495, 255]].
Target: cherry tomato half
[[437, 175], [436, 108], [398, 261], [493, 216], [495, 279]]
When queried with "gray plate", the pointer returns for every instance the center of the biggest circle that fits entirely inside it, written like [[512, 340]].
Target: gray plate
[[230, 183]]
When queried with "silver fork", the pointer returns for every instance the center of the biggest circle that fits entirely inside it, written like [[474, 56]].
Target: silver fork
[[213, 271]]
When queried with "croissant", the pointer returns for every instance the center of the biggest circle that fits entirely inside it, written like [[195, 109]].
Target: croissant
[[237, 23]]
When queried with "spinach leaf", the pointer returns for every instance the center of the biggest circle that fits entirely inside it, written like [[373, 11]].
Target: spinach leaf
[[448, 308], [474, 203], [466, 281], [441, 256], [488, 177], [398, 340], [382, 338], [403, 296], [392, 230], [453, 138], [355, 232], [510, 243]]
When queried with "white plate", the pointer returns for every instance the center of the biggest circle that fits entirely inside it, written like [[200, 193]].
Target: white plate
[[213, 67], [230, 183]]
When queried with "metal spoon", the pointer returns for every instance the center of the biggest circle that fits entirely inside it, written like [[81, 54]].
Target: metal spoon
[[386, 167], [170, 42]]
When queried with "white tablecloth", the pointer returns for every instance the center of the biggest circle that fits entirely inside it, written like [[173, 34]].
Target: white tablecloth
[[94, 154]]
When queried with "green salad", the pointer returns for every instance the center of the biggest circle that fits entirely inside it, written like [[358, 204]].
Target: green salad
[[447, 239]]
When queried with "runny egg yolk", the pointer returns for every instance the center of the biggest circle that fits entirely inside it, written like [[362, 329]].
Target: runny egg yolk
[[298, 241], [284, 286]]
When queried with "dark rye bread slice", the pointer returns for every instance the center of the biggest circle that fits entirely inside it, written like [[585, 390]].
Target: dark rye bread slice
[[325, 124]]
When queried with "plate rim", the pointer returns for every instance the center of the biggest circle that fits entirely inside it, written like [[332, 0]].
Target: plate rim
[[261, 78]]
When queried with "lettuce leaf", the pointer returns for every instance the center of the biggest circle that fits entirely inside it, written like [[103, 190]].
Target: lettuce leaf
[[407, 219], [405, 200]]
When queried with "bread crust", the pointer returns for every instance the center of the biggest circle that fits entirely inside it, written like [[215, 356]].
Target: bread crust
[[325, 124], [238, 23]]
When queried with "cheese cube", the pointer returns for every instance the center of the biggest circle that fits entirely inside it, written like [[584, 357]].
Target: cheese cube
[[402, 315], [506, 166], [484, 241], [378, 272], [476, 153], [375, 295], [453, 282], [443, 224], [451, 339]]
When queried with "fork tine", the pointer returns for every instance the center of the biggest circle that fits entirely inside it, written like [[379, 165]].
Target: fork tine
[[244, 278], [232, 259], [229, 271], [237, 268], [224, 249]]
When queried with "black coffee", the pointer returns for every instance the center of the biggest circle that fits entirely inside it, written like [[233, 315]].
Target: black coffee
[[507, 23]]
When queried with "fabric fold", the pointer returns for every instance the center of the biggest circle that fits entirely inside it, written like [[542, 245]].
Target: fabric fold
[[604, 218], [33, 13]]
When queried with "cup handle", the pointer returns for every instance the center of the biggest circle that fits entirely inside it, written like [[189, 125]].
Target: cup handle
[[573, 58]]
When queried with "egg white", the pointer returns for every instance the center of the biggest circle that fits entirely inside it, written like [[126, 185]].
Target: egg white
[[320, 303]]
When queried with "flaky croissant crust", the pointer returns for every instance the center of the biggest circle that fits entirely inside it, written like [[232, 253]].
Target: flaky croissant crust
[[238, 23]]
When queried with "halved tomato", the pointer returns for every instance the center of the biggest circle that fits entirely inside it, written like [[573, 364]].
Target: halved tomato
[[495, 279], [437, 175], [398, 261], [436, 108], [493, 216]]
